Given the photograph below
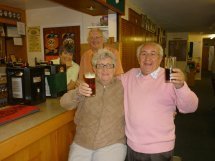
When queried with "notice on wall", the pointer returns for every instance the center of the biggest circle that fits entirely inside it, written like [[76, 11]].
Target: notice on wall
[[20, 28], [34, 43], [12, 31], [17, 41]]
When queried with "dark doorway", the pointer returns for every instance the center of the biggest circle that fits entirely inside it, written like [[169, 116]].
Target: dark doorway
[[207, 42]]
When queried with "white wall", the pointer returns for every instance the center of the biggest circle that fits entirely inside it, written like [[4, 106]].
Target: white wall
[[197, 50], [197, 39], [60, 17]]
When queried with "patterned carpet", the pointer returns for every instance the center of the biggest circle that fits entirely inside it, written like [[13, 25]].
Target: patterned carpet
[[195, 133]]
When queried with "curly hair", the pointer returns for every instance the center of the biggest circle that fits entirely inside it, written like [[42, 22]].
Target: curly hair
[[68, 47]]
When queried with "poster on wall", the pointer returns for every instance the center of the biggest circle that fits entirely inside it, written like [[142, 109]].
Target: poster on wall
[[51, 44], [21, 28], [68, 35], [34, 43], [53, 38], [54, 41]]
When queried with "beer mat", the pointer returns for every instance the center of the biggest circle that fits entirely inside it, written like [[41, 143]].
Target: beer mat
[[11, 113]]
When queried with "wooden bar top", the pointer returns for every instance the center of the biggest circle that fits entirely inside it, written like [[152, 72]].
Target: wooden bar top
[[22, 132]]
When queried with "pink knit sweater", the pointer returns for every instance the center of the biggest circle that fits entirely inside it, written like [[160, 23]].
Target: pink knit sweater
[[149, 109]]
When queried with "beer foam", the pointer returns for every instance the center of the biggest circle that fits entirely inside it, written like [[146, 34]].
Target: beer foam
[[89, 75]]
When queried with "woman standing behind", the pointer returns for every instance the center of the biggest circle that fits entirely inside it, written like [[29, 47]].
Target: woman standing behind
[[99, 119], [66, 57]]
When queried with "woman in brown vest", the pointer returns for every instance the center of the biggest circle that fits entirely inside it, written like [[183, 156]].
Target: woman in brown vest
[[99, 119]]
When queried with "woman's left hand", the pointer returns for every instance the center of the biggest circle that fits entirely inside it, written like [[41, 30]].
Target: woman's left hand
[[177, 78]]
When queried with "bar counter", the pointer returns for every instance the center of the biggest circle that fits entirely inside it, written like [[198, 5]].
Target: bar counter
[[44, 135]]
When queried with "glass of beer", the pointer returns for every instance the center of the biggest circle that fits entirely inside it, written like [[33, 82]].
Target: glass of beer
[[90, 80], [169, 64]]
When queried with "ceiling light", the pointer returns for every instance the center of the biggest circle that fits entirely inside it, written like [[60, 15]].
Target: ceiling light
[[212, 36], [91, 8]]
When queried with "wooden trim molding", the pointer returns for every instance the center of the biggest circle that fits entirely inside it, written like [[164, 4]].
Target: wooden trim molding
[[18, 142], [10, 20]]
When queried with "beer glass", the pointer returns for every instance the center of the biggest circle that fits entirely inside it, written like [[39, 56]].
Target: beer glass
[[169, 64], [90, 80]]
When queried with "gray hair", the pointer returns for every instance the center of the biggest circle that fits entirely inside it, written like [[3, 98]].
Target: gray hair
[[103, 54], [98, 30], [156, 45]]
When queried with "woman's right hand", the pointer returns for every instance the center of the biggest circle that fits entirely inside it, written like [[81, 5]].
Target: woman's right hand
[[83, 89]]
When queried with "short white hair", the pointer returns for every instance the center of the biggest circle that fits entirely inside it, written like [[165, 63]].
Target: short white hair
[[103, 54], [156, 45]]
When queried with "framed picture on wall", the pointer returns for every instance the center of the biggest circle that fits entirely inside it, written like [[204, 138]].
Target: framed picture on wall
[[51, 44], [53, 40], [178, 48]]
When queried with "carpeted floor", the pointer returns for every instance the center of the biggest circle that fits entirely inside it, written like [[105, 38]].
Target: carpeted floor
[[195, 133]]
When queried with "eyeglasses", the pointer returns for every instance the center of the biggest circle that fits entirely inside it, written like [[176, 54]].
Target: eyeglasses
[[102, 66], [152, 55]]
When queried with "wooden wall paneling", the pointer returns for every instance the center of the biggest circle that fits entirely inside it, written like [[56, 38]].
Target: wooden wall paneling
[[84, 6], [128, 56], [134, 17], [126, 46], [42, 139], [12, 21], [99, 7], [153, 37], [148, 36], [131, 37], [143, 21], [143, 35], [130, 40], [20, 52], [54, 147], [2, 47]]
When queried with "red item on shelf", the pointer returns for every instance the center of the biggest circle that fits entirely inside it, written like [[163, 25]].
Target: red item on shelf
[[11, 113]]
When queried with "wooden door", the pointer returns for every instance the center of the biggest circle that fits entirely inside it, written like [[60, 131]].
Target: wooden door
[[129, 59], [205, 52], [205, 56], [132, 36], [53, 38], [178, 48]]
